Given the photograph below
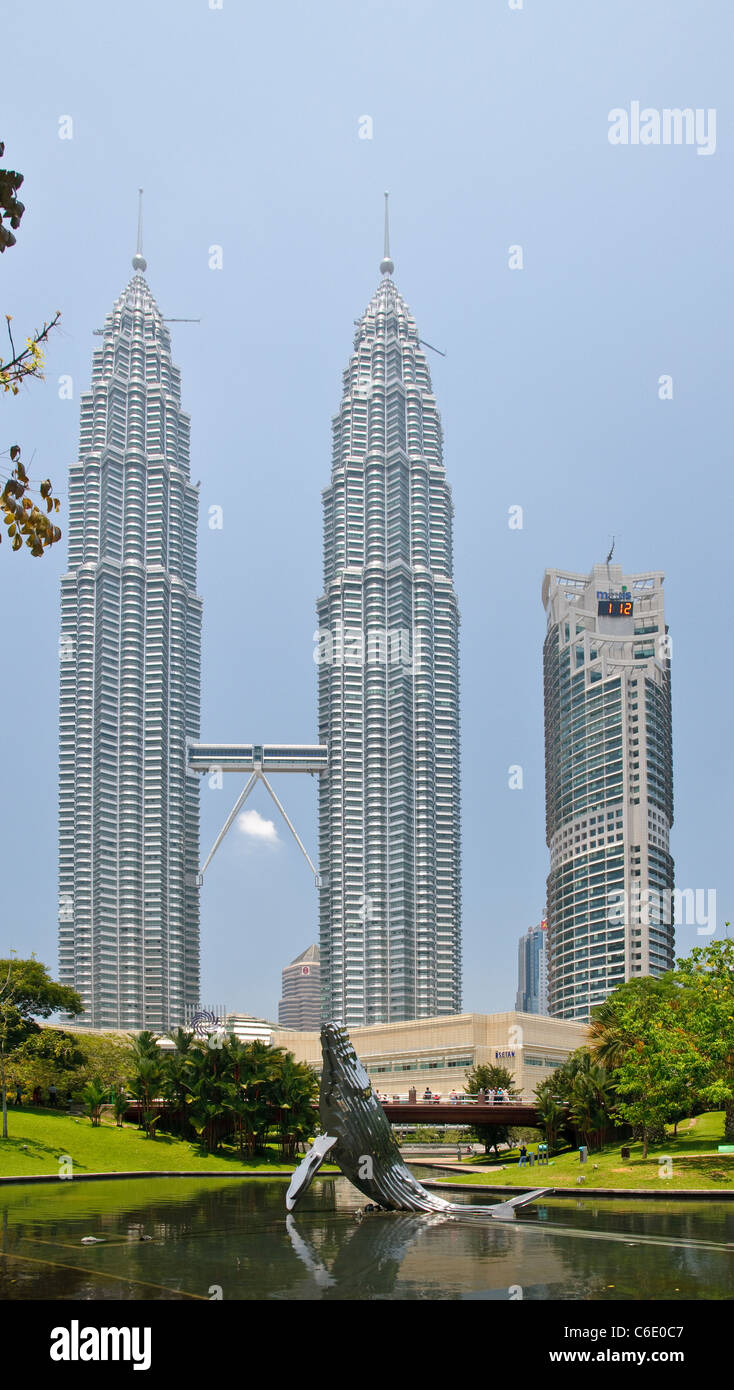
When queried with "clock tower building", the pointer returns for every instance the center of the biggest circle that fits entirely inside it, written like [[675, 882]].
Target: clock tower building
[[609, 784]]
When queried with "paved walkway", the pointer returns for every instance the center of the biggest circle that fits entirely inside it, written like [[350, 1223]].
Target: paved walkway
[[457, 1167]]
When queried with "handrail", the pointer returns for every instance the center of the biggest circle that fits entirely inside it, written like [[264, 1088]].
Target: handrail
[[463, 1099]]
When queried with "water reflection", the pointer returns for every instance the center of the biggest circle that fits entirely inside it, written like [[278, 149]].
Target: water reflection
[[233, 1235]]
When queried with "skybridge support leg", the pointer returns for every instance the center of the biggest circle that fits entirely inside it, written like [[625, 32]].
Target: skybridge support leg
[[300, 844], [239, 803]]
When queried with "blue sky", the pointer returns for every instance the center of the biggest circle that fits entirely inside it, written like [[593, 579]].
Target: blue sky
[[490, 130]]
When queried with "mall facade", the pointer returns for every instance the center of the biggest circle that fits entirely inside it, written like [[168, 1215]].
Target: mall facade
[[438, 1052]]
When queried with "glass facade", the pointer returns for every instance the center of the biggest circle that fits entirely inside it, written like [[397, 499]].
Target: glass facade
[[609, 784], [130, 656], [389, 818], [532, 973]]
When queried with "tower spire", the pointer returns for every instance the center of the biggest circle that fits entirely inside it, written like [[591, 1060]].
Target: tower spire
[[386, 265], [139, 261]]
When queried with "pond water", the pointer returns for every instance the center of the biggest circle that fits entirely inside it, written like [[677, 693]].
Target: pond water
[[230, 1238]]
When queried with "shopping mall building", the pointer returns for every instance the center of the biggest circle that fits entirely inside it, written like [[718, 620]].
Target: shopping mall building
[[437, 1052]]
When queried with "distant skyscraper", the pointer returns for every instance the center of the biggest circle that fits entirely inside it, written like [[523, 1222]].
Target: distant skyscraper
[[389, 688], [532, 975], [130, 665], [609, 784], [300, 1006]]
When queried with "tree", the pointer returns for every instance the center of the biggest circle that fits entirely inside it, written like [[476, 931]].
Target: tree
[[120, 1104], [611, 1038], [93, 1098], [55, 1046], [143, 1045], [27, 992], [706, 978], [23, 516], [146, 1084], [46, 1056], [239, 1091], [176, 1072], [662, 1065], [550, 1111], [293, 1089], [592, 1099], [486, 1077], [653, 1078], [211, 1098], [29, 361], [11, 209]]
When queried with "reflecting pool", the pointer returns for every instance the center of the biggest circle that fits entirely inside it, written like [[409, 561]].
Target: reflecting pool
[[195, 1238]]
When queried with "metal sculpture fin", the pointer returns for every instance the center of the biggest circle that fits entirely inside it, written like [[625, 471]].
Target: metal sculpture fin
[[308, 1168]]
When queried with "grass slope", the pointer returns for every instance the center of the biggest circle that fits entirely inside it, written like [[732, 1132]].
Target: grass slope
[[695, 1164], [46, 1134]]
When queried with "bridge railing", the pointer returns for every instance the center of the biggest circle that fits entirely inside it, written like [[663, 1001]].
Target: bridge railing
[[457, 1100]]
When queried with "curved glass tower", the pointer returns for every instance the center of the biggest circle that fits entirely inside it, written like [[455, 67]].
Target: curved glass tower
[[609, 784], [130, 686], [389, 815]]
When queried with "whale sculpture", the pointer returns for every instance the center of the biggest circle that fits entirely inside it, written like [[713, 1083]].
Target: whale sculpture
[[357, 1135]]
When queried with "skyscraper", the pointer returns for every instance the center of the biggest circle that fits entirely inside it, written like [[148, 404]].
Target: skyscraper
[[532, 973], [609, 784], [300, 1006], [389, 828], [130, 675]]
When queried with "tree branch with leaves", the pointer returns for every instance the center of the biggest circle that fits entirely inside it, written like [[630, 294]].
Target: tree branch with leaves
[[28, 362], [22, 516], [27, 991], [11, 208]]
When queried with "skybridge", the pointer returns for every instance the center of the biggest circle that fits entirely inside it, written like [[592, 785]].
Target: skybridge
[[258, 759]]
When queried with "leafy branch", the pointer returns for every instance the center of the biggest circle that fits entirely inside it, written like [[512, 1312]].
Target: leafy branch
[[30, 361], [10, 206], [22, 516]]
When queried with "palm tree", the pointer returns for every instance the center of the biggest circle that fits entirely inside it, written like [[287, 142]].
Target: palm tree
[[549, 1111], [592, 1100], [146, 1085], [120, 1104], [144, 1044], [264, 1063], [176, 1075], [610, 1040], [294, 1090], [210, 1094], [93, 1098]]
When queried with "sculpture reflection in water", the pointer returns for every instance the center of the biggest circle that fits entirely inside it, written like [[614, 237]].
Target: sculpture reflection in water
[[369, 1257], [357, 1135]]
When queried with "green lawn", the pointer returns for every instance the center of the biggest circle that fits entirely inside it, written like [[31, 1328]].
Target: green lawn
[[695, 1164], [38, 1137]]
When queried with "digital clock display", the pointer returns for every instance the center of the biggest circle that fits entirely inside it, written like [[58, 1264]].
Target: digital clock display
[[615, 607]]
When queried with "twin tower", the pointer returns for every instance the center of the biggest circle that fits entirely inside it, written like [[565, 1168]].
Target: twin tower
[[388, 688]]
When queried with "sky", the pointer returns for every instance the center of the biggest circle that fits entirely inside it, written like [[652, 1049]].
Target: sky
[[489, 124]]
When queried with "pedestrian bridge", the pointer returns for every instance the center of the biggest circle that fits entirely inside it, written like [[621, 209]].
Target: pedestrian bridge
[[458, 1114], [258, 759], [254, 757]]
